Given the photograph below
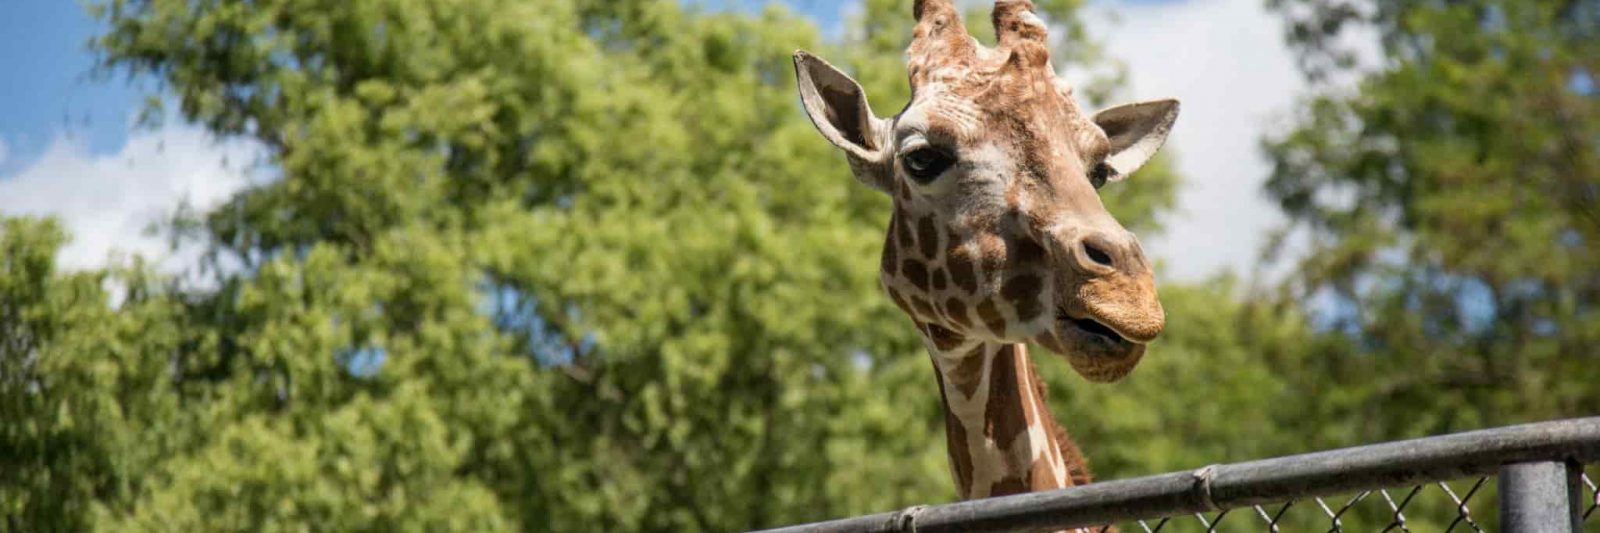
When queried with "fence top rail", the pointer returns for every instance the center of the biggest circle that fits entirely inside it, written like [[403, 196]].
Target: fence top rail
[[1227, 486]]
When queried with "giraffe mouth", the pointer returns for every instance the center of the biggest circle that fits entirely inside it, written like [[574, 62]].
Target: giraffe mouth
[[1094, 329], [1097, 351]]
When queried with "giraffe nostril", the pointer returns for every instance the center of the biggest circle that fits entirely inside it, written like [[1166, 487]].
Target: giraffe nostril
[[1097, 255]]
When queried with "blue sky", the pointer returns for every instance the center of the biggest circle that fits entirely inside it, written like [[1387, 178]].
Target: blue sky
[[67, 147], [827, 13], [44, 45], [44, 50]]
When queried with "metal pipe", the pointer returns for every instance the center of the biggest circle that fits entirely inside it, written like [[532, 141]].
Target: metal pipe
[[1390, 464], [1540, 497]]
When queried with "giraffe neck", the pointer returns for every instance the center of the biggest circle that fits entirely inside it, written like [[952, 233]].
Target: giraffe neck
[[1002, 437]]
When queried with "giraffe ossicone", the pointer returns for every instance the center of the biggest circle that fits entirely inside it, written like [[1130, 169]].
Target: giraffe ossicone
[[998, 236]]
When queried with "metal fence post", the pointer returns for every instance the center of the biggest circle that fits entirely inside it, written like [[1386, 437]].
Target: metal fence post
[[1540, 497]]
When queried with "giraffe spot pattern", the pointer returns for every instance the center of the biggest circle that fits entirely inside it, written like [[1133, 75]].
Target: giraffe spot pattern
[[928, 237], [898, 300], [956, 444], [961, 270], [1002, 420], [940, 51], [992, 253], [903, 230], [889, 254], [992, 317], [1043, 474], [1023, 293], [1026, 252], [922, 307], [943, 338], [915, 272], [957, 311], [968, 374], [1009, 485]]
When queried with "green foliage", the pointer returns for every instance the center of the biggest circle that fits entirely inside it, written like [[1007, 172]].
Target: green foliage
[[1246, 359], [543, 265], [1450, 205], [528, 265], [583, 265], [84, 404]]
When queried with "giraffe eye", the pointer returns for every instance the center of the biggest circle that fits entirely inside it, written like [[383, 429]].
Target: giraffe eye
[[1099, 174], [924, 164]]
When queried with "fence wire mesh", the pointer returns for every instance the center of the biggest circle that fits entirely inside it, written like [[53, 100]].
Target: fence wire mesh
[[1443, 483], [1460, 505]]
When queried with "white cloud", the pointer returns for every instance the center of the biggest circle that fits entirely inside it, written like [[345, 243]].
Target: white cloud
[[107, 201], [1227, 62]]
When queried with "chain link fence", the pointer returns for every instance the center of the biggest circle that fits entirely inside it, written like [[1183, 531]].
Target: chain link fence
[[1527, 478], [1448, 506]]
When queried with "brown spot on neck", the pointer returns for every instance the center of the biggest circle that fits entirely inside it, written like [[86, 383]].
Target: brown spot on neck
[[1009, 485], [1065, 448], [1006, 417], [967, 373], [956, 444], [1013, 409], [992, 317], [1043, 473], [943, 338]]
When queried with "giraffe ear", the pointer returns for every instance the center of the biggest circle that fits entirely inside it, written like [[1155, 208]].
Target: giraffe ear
[[1136, 131], [838, 107]]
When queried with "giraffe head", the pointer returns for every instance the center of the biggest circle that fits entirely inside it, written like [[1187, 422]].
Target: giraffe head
[[998, 231]]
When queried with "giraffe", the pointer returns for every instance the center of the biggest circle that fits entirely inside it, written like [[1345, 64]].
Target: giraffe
[[998, 236]]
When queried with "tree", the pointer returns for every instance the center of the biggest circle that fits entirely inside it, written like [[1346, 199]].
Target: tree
[[541, 265], [1450, 205], [597, 260], [548, 265], [1447, 195]]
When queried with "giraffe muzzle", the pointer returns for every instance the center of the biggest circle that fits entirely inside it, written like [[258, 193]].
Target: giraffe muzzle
[[1095, 351], [1106, 308]]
